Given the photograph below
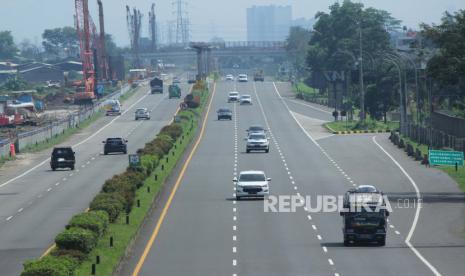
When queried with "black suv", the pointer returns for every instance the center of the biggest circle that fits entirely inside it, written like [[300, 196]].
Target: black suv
[[224, 113], [62, 157], [115, 145]]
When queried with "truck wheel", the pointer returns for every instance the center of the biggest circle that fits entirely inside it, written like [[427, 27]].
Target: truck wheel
[[54, 169], [267, 150], [125, 152], [238, 198], [346, 242], [72, 168], [105, 153], [382, 242]]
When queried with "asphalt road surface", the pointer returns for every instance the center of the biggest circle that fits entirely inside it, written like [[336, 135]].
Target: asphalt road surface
[[207, 232], [36, 203]]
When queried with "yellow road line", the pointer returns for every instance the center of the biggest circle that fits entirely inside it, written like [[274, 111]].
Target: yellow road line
[[154, 235]]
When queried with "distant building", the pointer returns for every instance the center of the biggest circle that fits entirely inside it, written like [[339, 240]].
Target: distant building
[[268, 23]]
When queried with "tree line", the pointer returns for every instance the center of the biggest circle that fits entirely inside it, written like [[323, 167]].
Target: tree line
[[360, 42]]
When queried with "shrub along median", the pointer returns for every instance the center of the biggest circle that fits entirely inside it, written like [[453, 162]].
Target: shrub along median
[[97, 240]]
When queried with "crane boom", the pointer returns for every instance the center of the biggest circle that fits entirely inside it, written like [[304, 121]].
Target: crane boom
[[85, 94]]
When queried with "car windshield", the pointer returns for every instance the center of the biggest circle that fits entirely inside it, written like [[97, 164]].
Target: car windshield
[[256, 129], [257, 137], [63, 151], [245, 97], [114, 141], [224, 110], [249, 177], [233, 93]]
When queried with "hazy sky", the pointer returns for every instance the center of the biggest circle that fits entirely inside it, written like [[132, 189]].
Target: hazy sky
[[227, 19]]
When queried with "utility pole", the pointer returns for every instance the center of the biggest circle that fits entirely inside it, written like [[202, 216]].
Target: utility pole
[[153, 28], [182, 23], [103, 57]]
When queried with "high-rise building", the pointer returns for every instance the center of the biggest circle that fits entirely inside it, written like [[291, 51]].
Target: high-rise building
[[268, 23]]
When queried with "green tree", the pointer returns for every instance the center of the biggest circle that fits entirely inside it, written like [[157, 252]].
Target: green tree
[[14, 84], [447, 66], [7, 45], [297, 47], [59, 39]]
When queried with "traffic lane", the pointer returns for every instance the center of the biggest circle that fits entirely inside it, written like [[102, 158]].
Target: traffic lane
[[196, 235], [48, 214], [373, 167], [28, 161], [317, 176], [439, 232], [316, 111], [32, 186], [272, 243]]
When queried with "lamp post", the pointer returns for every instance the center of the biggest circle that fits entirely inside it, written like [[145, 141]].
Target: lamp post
[[402, 102], [417, 95]]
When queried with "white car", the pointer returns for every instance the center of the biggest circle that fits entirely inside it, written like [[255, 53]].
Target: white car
[[252, 184], [142, 113], [242, 78], [245, 99], [233, 96], [229, 77], [257, 142]]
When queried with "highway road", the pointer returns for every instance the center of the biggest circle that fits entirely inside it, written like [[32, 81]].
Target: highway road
[[207, 232], [36, 203]]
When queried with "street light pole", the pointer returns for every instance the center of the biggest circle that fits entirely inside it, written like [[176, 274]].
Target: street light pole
[[362, 89], [403, 110]]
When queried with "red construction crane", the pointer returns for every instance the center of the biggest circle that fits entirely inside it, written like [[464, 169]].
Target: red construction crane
[[102, 55], [85, 94]]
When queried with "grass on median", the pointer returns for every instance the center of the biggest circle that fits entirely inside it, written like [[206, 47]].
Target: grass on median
[[124, 234], [356, 125]]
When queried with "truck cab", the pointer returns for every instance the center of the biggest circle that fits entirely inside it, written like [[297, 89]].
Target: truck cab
[[174, 91], [364, 217], [156, 86]]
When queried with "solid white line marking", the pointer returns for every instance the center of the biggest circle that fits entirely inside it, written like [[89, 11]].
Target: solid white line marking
[[8, 218], [307, 105], [417, 211]]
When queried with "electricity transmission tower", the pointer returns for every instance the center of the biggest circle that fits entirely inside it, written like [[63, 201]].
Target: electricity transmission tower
[[182, 22]]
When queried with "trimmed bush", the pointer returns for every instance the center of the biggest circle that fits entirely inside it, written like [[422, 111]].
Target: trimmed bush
[[124, 186], [95, 221], [111, 203], [76, 255], [50, 266], [173, 130], [76, 239]]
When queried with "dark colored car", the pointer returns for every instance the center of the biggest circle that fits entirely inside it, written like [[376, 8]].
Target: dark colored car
[[62, 157], [224, 113], [115, 145]]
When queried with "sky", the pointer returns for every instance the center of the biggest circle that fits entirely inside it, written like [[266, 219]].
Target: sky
[[27, 19]]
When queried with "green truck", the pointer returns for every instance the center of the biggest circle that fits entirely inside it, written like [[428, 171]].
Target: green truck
[[174, 91]]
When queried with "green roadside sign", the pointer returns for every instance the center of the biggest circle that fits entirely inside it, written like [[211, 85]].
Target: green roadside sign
[[448, 158], [134, 161]]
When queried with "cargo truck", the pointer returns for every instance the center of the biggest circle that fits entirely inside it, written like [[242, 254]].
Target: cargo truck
[[364, 216], [156, 86], [174, 91]]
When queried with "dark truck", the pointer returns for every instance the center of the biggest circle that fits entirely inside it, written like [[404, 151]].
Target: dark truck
[[364, 216], [258, 76], [62, 157], [156, 86], [174, 91]]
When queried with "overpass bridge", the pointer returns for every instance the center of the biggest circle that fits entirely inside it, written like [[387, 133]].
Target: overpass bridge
[[225, 53]]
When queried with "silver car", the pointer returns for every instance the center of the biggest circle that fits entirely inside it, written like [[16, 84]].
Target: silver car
[[245, 99], [142, 113], [233, 96], [257, 142], [252, 184]]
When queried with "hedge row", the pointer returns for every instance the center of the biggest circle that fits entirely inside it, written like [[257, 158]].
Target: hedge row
[[118, 194]]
